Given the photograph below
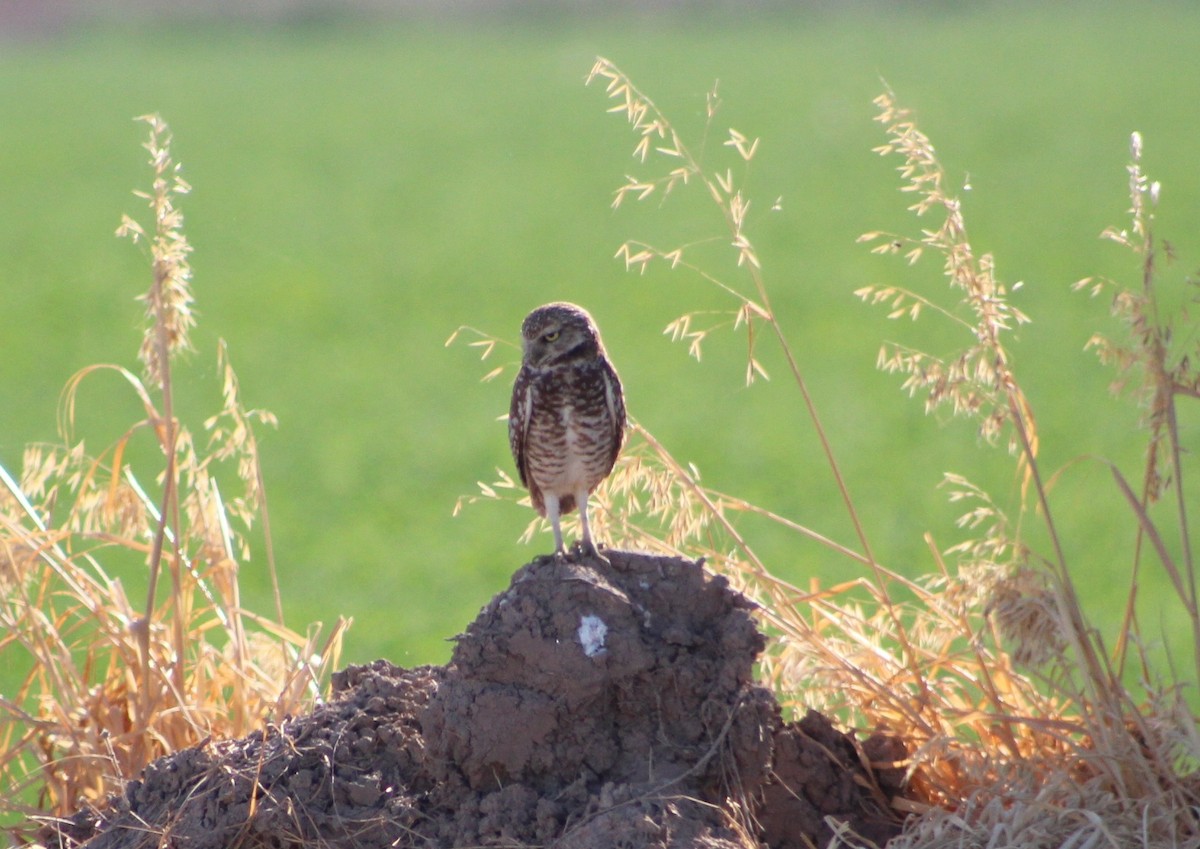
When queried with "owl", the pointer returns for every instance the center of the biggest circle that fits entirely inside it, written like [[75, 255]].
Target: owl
[[567, 418]]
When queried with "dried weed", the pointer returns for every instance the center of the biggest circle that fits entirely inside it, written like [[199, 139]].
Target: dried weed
[[108, 684], [1019, 726]]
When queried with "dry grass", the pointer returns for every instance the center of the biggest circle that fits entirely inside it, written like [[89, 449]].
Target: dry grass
[[110, 683], [1020, 728]]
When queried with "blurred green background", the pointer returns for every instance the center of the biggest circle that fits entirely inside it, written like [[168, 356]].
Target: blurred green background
[[365, 185]]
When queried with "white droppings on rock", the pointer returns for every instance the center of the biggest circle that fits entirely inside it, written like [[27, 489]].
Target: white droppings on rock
[[592, 632]]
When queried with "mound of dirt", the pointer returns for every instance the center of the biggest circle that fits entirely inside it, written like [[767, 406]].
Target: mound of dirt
[[589, 705]]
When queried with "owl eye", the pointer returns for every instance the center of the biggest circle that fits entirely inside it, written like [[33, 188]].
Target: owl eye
[[551, 336]]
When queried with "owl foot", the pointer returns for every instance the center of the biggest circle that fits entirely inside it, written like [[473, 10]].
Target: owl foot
[[585, 548]]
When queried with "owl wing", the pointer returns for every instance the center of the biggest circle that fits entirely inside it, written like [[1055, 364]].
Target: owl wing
[[518, 422], [614, 397]]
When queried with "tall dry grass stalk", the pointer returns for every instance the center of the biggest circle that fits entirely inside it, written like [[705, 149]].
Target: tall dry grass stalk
[[1019, 726], [105, 684], [1155, 361], [658, 138], [1099, 747]]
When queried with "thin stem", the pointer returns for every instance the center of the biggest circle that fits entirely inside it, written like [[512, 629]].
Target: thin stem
[[811, 407], [1098, 677], [1165, 389]]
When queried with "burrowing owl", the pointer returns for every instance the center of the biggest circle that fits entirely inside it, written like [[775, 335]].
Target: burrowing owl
[[567, 418]]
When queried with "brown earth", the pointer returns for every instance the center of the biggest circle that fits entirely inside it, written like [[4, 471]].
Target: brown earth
[[589, 705]]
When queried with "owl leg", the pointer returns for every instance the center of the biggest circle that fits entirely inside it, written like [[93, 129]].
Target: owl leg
[[589, 547], [552, 512], [581, 499]]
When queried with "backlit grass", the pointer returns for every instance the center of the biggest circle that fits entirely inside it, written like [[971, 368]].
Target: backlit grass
[[361, 192]]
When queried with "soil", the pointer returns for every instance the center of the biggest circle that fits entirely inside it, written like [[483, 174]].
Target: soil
[[589, 705]]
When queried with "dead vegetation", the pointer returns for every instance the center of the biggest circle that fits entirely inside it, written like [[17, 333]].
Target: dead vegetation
[[1021, 726], [105, 683]]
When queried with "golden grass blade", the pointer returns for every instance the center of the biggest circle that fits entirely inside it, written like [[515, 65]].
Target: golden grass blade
[[108, 687]]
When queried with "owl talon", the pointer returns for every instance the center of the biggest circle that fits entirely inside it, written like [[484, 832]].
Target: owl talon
[[586, 548]]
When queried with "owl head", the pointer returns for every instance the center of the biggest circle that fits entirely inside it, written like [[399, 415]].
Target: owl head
[[559, 333]]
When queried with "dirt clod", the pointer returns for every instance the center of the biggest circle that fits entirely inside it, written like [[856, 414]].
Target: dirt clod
[[589, 705]]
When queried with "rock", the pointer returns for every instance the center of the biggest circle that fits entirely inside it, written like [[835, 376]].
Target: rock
[[589, 705]]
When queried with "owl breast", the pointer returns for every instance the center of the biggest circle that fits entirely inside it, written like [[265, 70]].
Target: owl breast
[[572, 431], [582, 463]]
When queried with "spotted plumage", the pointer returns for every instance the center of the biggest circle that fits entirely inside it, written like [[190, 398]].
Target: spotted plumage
[[567, 418]]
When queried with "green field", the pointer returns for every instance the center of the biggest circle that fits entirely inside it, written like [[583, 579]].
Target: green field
[[362, 190]]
